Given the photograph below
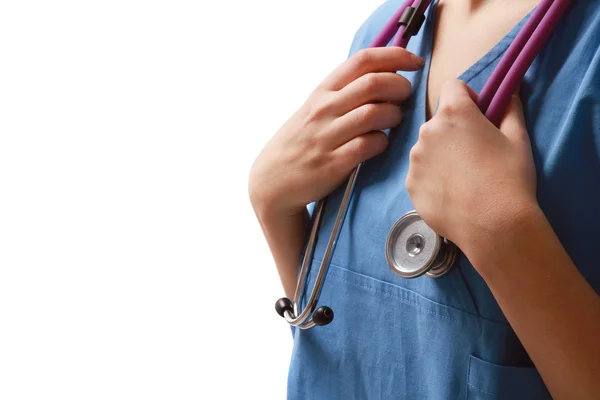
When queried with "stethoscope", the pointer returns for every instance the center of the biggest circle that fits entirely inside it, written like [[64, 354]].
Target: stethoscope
[[412, 248]]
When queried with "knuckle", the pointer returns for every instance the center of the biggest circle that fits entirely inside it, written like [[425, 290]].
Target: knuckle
[[456, 107], [385, 139], [452, 86], [363, 58], [371, 84], [449, 110], [463, 104], [398, 115], [449, 84], [406, 87], [409, 183], [367, 114], [312, 144], [425, 131], [312, 115], [362, 146], [415, 154], [327, 105], [318, 109], [379, 139]]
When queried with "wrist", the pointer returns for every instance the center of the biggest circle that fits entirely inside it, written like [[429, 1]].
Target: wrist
[[490, 245], [264, 207], [262, 200], [268, 206]]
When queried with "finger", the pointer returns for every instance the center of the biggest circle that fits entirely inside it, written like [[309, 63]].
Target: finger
[[513, 123], [360, 149], [455, 95], [372, 88], [367, 118], [382, 59], [472, 94]]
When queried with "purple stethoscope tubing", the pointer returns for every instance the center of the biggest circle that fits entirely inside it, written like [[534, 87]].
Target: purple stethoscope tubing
[[511, 69], [391, 28], [552, 13], [492, 101]]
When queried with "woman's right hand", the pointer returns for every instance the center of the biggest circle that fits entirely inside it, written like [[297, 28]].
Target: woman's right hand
[[338, 127]]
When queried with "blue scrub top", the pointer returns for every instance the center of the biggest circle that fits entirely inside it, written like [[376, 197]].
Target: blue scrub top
[[447, 338]]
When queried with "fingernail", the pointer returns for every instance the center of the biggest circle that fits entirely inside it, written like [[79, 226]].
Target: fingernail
[[420, 61]]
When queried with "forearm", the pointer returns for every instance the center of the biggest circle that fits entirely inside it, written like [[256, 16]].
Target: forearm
[[552, 309], [285, 235]]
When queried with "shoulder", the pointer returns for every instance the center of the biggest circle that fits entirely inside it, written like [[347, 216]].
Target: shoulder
[[574, 50], [373, 24], [582, 23]]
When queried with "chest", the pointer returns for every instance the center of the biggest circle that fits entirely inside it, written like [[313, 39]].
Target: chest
[[464, 34], [561, 99]]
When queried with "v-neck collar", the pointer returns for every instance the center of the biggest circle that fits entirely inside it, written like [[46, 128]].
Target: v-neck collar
[[475, 69]]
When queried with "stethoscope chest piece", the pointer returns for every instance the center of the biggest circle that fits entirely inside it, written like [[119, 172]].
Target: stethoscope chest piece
[[414, 249]]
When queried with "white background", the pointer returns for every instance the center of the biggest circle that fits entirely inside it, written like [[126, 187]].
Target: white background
[[131, 265]]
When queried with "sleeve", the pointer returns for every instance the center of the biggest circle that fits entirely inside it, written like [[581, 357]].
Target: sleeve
[[367, 32]]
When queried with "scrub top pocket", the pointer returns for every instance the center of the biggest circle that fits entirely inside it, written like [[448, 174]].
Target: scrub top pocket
[[487, 381], [388, 342]]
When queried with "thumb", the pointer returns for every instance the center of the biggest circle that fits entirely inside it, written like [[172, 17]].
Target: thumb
[[454, 90], [513, 123]]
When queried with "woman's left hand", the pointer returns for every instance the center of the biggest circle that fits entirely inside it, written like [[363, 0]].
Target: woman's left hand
[[467, 179]]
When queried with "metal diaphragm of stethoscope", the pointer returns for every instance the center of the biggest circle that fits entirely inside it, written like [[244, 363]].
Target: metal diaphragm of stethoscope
[[412, 248]]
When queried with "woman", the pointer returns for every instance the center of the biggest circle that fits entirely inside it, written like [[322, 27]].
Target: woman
[[519, 315]]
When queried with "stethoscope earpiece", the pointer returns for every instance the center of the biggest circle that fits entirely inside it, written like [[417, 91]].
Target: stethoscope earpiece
[[282, 305], [323, 316]]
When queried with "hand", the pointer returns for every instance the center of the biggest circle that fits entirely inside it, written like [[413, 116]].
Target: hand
[[467, 179], [338, 127]]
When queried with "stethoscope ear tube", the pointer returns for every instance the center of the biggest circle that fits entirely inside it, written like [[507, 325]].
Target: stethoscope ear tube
[[308, 317], [506, 77]]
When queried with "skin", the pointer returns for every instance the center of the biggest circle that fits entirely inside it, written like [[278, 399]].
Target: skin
[[338, 127], [476, 186], [458, 42]]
